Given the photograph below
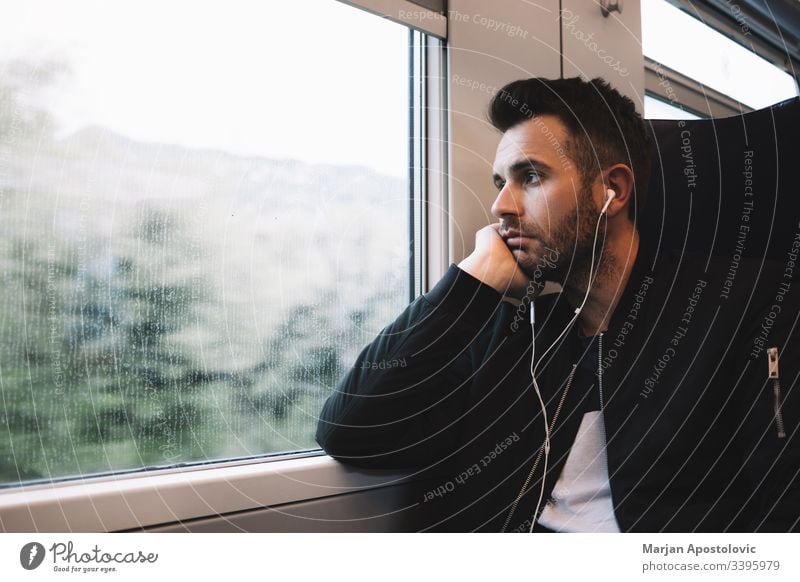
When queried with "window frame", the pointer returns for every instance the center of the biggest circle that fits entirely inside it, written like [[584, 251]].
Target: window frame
[[428, 167], [426, 16], [126, 502], [677, 89]]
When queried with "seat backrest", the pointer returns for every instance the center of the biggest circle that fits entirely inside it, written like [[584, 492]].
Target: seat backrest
[[728, 185]]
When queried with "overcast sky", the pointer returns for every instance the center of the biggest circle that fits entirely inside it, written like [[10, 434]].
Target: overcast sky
[[313, 80]]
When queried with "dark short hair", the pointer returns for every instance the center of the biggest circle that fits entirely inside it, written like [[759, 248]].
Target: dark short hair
[[603, 125]]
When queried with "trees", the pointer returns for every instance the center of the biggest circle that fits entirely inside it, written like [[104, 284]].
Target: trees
[[160, 304]]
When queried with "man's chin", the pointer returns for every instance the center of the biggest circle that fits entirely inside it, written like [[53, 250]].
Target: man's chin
[[534, 269]]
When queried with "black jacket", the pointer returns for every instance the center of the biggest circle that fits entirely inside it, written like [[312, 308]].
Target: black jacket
[[692, 419]]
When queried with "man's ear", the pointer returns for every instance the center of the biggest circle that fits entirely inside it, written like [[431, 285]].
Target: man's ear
[[619, 178]]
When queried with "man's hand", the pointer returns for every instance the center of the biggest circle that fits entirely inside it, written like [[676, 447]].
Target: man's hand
[[493, 263]]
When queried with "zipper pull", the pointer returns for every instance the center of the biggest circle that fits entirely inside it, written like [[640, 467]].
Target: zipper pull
[[772, 363]]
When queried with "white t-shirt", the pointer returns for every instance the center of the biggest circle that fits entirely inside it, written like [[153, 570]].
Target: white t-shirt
[[582, 495]]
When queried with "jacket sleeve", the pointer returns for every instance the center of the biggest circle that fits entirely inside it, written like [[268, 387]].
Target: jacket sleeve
[[770, 421], [399, 406]]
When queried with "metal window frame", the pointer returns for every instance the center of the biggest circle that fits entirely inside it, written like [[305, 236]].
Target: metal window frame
[[429, 168], [428, 16], [682, 91], [128, 502]]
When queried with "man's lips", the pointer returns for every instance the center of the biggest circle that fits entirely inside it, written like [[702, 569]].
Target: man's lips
[[514, 238]]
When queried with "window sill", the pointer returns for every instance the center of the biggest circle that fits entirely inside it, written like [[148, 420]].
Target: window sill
[[142, 500]]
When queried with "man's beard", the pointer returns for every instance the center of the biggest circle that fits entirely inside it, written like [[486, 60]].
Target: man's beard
[[565, 255]]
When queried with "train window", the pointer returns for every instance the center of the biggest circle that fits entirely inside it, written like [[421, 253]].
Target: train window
[[204, 215], [722, 64], [655, 108]]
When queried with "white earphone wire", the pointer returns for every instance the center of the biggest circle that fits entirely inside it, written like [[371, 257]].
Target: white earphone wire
[[546, 444]]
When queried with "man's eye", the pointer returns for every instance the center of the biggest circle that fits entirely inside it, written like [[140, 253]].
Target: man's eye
[[500, 184], [532, 177]]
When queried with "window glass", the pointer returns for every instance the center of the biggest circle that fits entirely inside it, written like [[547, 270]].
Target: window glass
[[658, 109], [203, 219], [678, 41]]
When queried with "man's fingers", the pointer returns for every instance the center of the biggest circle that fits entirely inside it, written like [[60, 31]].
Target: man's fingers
[[494, 228]]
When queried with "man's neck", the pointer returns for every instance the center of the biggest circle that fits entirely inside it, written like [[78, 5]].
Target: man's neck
[[611, 278]]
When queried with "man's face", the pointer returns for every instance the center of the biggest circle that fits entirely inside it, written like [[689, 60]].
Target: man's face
[[546, 216]]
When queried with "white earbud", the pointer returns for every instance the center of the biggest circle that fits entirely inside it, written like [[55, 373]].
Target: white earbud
[[610, 196]]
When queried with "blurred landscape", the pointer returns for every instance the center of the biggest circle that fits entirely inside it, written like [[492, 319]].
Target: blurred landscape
[[161, 304]]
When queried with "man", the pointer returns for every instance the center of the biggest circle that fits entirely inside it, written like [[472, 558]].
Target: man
[[646, 413]]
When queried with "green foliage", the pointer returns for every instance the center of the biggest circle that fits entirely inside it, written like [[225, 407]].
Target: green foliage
[[144, 324]]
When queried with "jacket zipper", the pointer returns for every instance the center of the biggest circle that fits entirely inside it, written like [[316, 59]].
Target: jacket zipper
[[776, 390], [772, 361], [541, 451], [603, 417], [600, 386]]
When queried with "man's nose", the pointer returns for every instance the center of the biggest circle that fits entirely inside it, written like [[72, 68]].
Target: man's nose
[[507, 202]]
